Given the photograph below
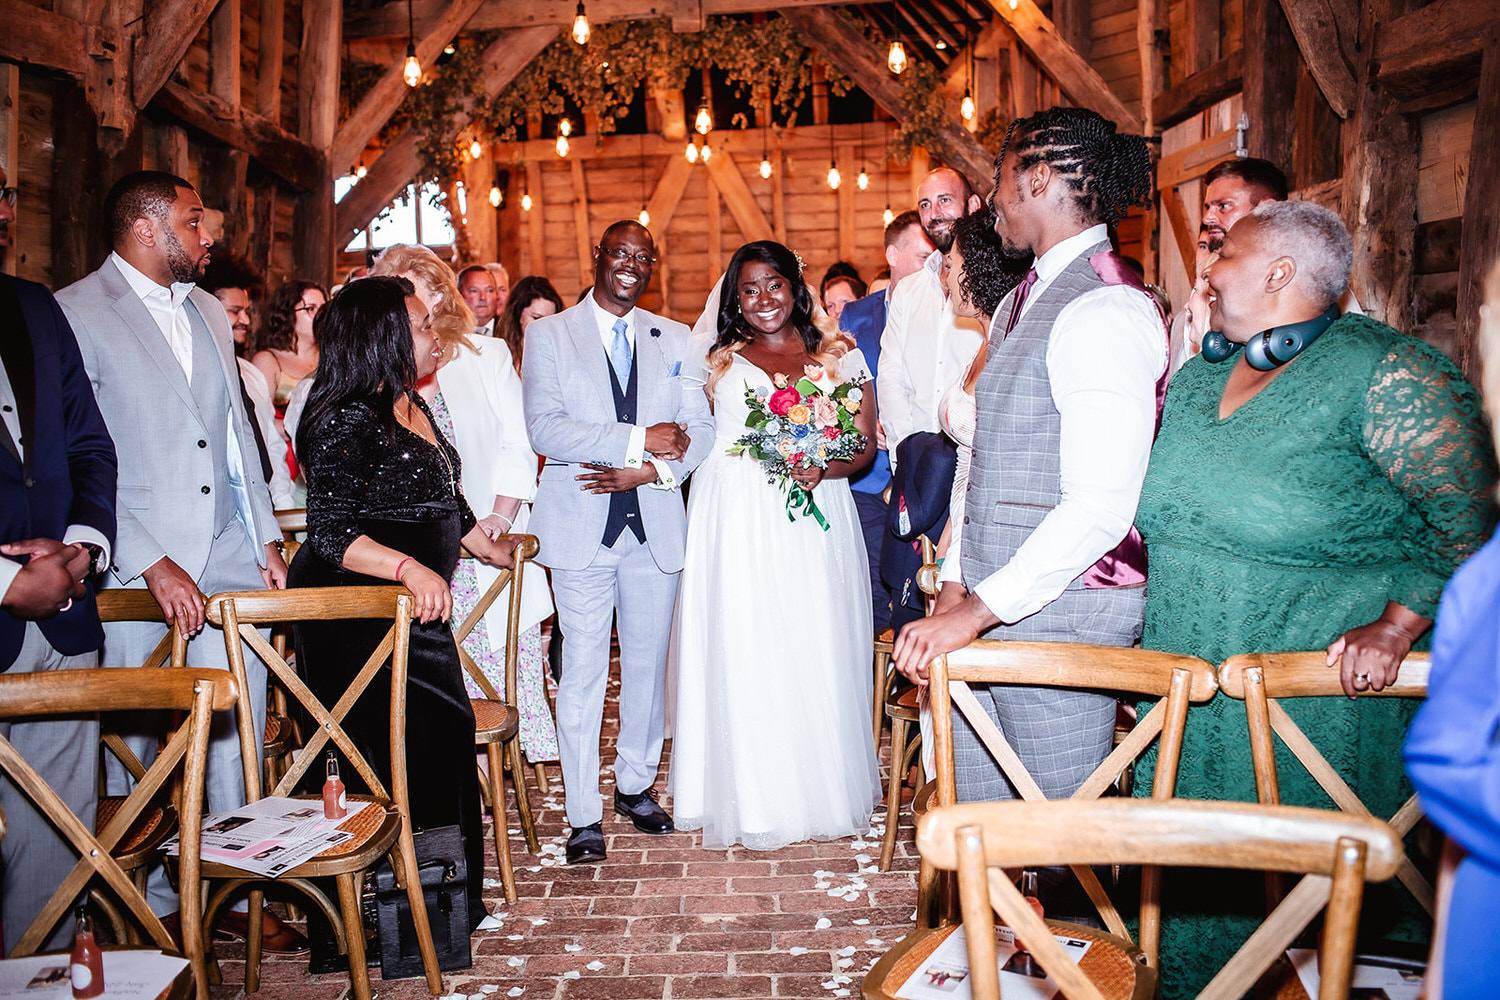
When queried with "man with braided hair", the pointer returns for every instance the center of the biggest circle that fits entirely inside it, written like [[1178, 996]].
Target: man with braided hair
[[1068, 405]]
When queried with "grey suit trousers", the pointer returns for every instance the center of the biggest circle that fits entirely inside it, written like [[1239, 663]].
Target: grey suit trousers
[[34, 857], [231, 566], [1060, 734]]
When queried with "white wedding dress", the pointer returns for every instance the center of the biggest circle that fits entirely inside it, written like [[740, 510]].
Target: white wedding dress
[[769, 664]]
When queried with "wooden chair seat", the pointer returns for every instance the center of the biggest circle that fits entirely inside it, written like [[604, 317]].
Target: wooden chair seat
[[155, 824], [924, 800], [1115, 965], [495, 721], [280, 736], [375, 831]]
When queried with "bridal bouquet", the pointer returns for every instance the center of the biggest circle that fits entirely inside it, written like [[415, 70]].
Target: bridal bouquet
[[809, 422]]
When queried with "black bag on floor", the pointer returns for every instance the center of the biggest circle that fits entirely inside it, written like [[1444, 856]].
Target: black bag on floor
[[444, 875]]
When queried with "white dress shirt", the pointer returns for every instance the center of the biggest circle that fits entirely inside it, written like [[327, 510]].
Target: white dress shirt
[[925, 348], [168, 306], [1106, 352], [635, 452], [75, 533]]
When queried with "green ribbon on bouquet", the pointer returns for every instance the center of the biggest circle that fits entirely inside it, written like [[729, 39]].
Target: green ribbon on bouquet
[[800, 498]]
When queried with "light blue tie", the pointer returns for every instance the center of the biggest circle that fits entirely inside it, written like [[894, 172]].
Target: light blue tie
[[619, 353]]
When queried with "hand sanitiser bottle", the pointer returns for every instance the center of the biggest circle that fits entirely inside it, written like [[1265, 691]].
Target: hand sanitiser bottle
[[86, 967], [335, 805]]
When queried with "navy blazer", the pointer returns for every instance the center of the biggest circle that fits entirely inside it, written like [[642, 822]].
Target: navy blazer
[[864, 320], [69, 473]]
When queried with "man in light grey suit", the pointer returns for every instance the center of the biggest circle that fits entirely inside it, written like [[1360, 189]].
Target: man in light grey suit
[[195, 514], [607, 404]]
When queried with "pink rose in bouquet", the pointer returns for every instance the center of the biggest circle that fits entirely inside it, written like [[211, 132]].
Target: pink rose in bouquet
[[782, 400], [825, 411]]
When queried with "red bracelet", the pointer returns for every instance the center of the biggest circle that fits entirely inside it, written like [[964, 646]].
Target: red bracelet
[[399, 566]]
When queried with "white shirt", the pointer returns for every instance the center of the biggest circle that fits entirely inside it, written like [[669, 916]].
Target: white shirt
[[1106, 352], [168, 306], [75, 533], [923, 350], [486, 329], [635, 451]]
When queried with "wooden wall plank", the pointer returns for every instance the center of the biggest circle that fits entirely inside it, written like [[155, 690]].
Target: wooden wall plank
[[1481, 228], [583, 236]]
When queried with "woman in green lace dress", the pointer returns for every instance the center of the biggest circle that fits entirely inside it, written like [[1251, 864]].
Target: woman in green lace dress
[[1321, 503]]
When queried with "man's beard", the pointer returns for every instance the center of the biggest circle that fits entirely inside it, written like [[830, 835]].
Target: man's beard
[[181, 263], [1215, 238], [941, 238]]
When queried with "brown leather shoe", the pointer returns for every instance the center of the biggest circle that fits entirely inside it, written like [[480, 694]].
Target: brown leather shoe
[[277, 938]]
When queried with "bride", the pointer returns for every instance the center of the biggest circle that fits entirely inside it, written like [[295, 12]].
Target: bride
[[771, 644]]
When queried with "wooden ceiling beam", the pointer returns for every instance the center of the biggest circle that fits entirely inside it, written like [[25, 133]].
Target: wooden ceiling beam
[[736, 194], [86, 47], [398, 165], [1322, 29], [1200, 91], [170, 29], [844, 45], [276, 150], [390, 19], [1059, 60], [1426, 49], [382, 100]]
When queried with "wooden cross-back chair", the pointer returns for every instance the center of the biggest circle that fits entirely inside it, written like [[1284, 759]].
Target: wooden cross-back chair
[[904, 712], [197, 694], [497, 720], [1335, 853], [1177, 681], [381, 832], [1261, 679]]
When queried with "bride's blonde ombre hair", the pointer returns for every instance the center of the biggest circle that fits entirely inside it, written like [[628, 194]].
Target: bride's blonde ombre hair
[[824, 341]]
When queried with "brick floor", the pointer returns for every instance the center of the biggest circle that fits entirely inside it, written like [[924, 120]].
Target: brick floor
[[661, 918]]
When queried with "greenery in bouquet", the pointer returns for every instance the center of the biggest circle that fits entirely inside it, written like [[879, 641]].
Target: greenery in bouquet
[[806, 423]]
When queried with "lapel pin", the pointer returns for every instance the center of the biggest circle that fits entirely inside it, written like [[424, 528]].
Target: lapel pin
[[655, 332]]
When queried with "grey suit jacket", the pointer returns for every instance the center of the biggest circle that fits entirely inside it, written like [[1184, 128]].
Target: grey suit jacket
[[570, 417], [150, 412]]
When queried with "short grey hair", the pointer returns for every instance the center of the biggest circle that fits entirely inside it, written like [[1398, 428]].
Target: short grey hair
[[1315, 238]]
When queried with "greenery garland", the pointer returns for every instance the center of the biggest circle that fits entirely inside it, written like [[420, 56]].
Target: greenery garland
[[769, 59]]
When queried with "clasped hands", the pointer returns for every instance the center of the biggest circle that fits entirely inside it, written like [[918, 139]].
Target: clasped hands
[[666, 441], [50, 580]]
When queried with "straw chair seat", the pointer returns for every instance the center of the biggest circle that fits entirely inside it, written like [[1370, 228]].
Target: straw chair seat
[[375, 830], [1116, 966], [495, 721], [155, 824]]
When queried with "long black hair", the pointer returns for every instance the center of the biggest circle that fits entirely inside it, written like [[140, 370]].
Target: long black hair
[[1107, 171], [365, 353], [732, 326]]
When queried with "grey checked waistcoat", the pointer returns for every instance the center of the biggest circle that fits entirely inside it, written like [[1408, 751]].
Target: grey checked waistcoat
[[1015, 477]]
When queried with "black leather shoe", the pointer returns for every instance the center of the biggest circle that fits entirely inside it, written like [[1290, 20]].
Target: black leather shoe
[[643, 811], [586, 844]]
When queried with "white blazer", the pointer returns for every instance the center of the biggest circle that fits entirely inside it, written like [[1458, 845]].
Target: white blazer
[[483, 394]]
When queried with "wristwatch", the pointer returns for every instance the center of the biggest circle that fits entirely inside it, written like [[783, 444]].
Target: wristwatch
[[96, 558]]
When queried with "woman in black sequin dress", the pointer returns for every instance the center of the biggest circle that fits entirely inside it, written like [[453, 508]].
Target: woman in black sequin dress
[[383, 505]]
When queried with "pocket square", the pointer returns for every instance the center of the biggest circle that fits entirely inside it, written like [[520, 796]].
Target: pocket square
[[676, 369]]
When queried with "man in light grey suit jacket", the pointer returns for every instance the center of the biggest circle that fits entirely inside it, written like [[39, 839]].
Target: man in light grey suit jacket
[[195, 514], [607, 404]]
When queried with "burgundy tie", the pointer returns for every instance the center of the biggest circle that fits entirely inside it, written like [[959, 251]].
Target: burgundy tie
[[1015, 308]]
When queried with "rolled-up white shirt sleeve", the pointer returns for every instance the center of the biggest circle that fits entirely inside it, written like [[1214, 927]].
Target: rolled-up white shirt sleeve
[[1106, 353], [77, 534]]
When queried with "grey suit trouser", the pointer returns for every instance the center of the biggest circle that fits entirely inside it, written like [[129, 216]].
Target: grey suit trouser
[[231, 566], [1060, 734], [64, 750], [625, 579]]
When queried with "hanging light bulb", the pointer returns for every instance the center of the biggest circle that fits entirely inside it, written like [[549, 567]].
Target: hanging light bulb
[[1015, 4], [496, 196], [476, 150], [526, 202], [692, 152], [863, 180], [565, 127], [644, 218], [562, 145], [889, 216], [360, 171], [705, 121], [706, 152], [896, 60], [412, 71], [967, 107], [834, 178], [581, 29], [765, 169]]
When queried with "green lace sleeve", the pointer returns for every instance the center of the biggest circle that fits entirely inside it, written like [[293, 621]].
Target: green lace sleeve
[[1425, 430]]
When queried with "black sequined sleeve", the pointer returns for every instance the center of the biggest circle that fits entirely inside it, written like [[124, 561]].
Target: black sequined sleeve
[[341, 462]]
